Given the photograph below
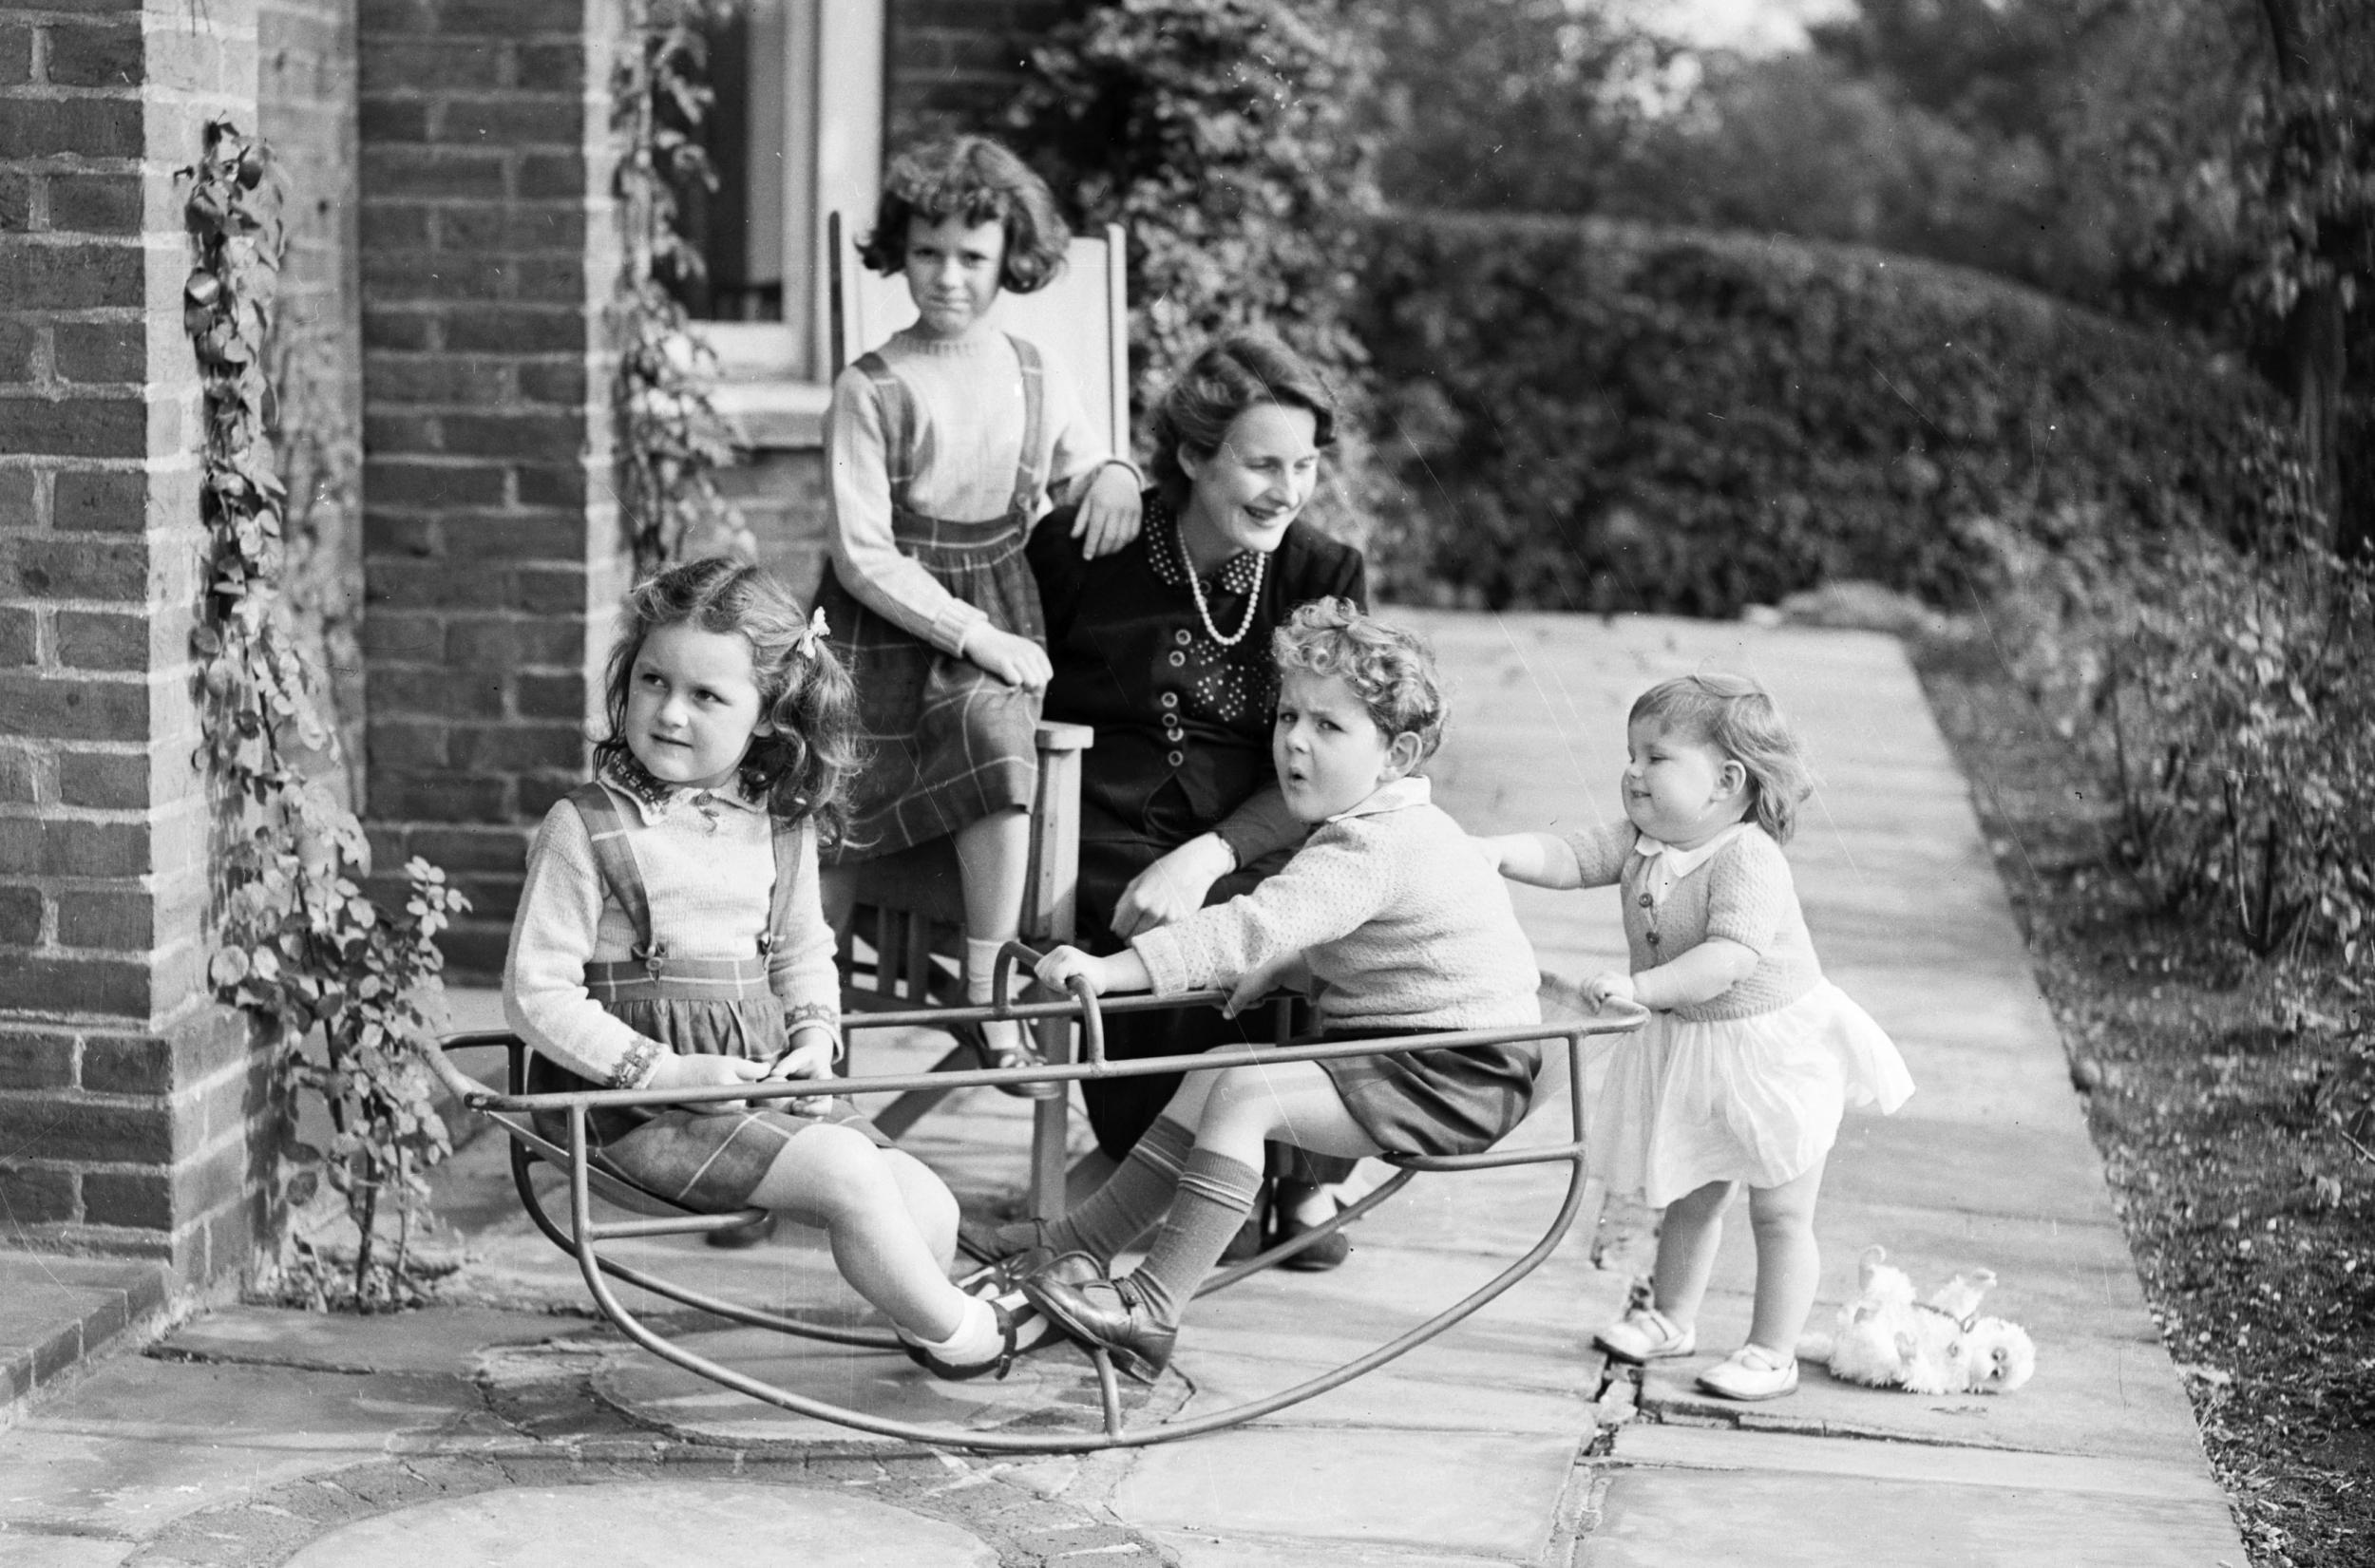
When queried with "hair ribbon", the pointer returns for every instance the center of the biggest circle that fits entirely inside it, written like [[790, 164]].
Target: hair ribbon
[[809, 640]]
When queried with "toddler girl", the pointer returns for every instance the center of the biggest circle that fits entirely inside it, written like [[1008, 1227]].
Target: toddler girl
[[1402, 931], [670, 936], [1750, 1054], [947, 442]]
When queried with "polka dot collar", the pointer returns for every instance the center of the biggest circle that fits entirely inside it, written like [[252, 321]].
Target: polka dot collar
[[1237, 574]]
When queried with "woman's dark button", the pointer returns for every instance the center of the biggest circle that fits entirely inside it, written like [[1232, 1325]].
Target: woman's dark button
[[1170, 699], [1178, 659], [1178, 757], [1183, 636]]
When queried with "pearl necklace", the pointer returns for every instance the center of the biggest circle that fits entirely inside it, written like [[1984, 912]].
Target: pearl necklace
[[1204, 611]]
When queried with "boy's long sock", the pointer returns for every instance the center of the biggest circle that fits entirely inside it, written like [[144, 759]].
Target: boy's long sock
[[1132, 1198], [1215, 1195]]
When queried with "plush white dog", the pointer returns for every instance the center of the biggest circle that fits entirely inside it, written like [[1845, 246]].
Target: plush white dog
[[1939, 1346]]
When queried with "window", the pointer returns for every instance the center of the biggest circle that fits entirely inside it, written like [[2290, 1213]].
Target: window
[[796, 132]]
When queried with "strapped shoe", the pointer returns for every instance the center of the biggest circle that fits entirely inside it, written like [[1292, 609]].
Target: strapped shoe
[[1009, 1334], [986, 1241], [749, 1234], [1752, 1372], [1024, 1054], [1285, 1225], [1106, 1314], [1645, 1335]]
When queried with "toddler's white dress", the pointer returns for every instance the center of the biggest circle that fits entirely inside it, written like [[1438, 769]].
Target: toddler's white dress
[[1749, 1086]]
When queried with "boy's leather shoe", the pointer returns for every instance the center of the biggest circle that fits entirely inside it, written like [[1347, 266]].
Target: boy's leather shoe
[[1104, 1315]]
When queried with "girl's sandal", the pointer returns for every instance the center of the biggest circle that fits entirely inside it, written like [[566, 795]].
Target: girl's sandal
[[1009, 1334], [1644, 1334]]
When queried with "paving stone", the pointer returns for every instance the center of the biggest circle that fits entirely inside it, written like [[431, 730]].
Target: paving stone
[[726, 1524], [1483, 1494], [1676, 1519]]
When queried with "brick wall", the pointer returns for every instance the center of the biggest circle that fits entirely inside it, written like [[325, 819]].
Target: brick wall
[[127, 1103], [493, 553], [306, 68]]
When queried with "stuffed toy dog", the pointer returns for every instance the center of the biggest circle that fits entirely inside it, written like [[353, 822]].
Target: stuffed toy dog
[[1942, 1346]]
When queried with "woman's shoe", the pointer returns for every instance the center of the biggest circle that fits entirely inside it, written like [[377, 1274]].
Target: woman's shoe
[[1285, 1226], [1105, 1315], [1752, 1372], [1644, 1334]]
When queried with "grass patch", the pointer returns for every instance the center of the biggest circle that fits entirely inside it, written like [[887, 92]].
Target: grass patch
[[2231, 1100]]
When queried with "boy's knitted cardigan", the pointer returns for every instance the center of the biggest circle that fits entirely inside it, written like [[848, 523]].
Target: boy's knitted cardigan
[[1404, 926], [708, 862], [1742, 893]]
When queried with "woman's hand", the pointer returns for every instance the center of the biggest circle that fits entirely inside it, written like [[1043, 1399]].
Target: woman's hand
[[1610, 986], [678, 1071], [1173, 886], [1018, 661], [1108, 516]]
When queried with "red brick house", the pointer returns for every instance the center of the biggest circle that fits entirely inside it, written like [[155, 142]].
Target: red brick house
[[453, 247]]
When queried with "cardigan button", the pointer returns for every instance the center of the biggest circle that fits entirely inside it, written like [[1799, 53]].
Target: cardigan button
[[1653, 938], [1647, 902]]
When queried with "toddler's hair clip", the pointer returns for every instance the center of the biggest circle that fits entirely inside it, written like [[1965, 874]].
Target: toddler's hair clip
[[809, 641]]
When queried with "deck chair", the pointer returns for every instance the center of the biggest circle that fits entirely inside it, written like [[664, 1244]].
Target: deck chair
[[584, 1231], [900, 948]]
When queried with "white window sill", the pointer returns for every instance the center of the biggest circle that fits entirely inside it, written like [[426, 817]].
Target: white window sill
[[774, 415]]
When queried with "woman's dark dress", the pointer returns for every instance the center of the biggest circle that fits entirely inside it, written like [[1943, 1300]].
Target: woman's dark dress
[[1183, 740]]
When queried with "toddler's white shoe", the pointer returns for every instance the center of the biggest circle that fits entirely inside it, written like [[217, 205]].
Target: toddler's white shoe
[[1752, 1372], [1644, 1334]]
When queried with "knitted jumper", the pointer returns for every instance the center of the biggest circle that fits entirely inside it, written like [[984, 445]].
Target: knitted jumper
[[707, 865], [1404, 927], [969, 398], [1742, 893]]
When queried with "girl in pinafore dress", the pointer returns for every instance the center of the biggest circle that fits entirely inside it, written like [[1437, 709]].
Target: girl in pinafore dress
[[946, 443], [1750, 1055], [670, 935], [1402, 930]]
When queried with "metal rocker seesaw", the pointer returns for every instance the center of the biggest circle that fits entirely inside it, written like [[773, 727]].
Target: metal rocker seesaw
[[514, 1111]]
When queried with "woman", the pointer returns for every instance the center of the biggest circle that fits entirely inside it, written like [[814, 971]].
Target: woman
[[1164, 646]]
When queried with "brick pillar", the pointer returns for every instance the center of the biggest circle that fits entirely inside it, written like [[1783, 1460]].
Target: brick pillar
[[493, 553], [129, 1105]]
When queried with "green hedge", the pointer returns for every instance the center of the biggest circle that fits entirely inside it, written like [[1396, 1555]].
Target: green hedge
[[1593, 415]]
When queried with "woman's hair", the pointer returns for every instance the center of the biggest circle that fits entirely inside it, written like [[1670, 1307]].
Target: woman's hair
[[803, 768], [974, 179], [1237, 373], [1737, 717], [1389, 669]]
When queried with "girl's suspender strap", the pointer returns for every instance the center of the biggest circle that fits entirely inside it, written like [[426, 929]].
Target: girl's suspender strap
[[1030, 472], [901, 462], [606, 825]]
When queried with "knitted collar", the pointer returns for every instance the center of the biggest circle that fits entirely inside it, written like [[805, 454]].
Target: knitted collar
[[1236, 574], [1400, 794], [655, 799]]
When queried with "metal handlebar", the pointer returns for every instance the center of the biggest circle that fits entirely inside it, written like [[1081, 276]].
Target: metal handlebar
[[1091, 1014]]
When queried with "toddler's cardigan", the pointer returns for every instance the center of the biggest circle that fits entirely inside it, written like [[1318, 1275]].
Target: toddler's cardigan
[[708, 870], [1743, 894], [1403, 923]]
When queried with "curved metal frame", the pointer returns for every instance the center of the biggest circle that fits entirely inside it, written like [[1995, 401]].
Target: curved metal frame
[[583, 1237]]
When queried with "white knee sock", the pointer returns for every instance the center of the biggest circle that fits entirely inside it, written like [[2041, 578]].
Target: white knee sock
[[974, 1340], [980, 968]]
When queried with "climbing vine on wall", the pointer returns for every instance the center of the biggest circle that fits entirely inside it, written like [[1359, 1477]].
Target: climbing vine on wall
[[299, 946], [672, 439]]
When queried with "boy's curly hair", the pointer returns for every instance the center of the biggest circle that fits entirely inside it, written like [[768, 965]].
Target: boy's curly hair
[[974, 179], [1737, 717], [802, 770], [1389, 669]]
